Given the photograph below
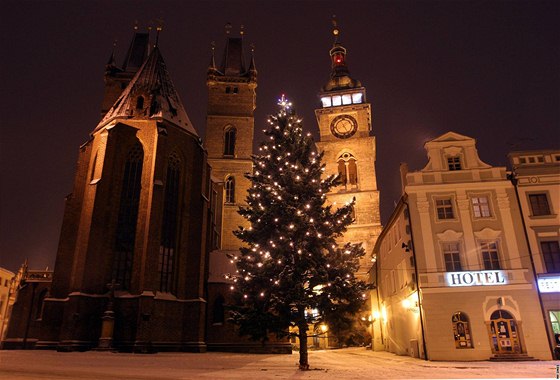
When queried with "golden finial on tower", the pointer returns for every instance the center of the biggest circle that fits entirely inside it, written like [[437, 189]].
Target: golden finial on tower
[[252, 46], [335, 31], [228, 27], [241, 30], [135, 25]]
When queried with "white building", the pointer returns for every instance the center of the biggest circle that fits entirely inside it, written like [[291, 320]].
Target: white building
[[453, 272], [537, 178]]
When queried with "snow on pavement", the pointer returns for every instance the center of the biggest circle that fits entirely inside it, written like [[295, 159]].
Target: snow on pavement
[[351, 363]]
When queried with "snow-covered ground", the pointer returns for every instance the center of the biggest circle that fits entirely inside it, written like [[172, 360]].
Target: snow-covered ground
[[352, 363]]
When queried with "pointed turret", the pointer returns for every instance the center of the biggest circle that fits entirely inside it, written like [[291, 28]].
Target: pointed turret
[[150, 94], [340, 75], [233, 60], [137, 52]]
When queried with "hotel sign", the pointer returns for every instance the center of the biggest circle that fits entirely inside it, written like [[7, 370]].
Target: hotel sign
[[483, 277], [549, 284]]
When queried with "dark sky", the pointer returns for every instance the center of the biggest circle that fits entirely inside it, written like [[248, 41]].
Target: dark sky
[[490, 70]]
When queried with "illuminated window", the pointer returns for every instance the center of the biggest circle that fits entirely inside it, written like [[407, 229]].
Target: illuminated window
[[169, 225], [481, 208], [326, 100], [230, 189], [348, 170], [490, 255], [357, 98], [347, 99], [452, 257], [128, 215], [454, 163], [336, 100], [551, 255], [444, 209], [461, 330], [229, 141], [539, 204]]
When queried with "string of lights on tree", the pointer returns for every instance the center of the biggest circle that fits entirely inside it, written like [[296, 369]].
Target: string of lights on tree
[[291, 262]]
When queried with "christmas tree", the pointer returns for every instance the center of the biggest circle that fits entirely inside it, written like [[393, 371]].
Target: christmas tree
[[291, 272]]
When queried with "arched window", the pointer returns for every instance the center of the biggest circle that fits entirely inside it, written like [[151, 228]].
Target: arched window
[[169, 225], [218, 311], [128, 215], [229, 141], [461, 330], [230, 189], [348, 171], [140, 103]]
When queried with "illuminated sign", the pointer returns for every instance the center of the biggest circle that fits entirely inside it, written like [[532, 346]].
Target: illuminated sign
[[483, 277], [549, 284]]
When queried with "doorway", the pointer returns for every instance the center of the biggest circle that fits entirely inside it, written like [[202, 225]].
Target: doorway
[[504, 333]]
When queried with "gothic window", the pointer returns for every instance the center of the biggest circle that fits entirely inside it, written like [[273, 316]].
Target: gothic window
[[490, 255], [452, 257], [140, 103], [348, 170], [454, 163], [128, 215], [539, 204], [218, 312], [444, 209], [169, 225], [481, 207], [230, 190], [461, 330], [229, 141], [551, 255]]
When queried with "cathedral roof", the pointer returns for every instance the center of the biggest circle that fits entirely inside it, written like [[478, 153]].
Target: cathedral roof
[[150, 94]]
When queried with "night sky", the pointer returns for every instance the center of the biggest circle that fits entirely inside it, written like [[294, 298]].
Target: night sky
[[490, 70]]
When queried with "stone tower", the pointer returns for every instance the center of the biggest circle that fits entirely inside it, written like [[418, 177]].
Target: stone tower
[[133, 244], [346, 138], [229, 132]]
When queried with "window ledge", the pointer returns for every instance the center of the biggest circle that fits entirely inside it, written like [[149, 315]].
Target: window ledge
[[549, 216]]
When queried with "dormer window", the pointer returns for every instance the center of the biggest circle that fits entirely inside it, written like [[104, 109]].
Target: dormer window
[[454, 163], [140, 103]]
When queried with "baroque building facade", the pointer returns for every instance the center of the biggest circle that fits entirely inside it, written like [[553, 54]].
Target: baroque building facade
[[536, 175], [453, 271]]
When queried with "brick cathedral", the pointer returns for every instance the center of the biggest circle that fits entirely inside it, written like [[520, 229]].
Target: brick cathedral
[[142, 255]]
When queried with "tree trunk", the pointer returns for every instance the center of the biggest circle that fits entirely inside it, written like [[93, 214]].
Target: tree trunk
[[302, 327]]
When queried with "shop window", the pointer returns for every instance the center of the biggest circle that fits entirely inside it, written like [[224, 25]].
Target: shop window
[[444, 209], [461, 330], [551, 255], [539, 204], [452, 257], [481, 207], [490, 255]]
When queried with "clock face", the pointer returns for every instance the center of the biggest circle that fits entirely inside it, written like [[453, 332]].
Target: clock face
[[344, 126]]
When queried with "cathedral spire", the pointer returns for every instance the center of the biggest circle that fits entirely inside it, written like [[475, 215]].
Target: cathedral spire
[[150, 95], [138, 50], [233, 63]]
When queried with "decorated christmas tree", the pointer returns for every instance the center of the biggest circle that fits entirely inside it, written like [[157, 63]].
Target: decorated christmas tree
[[292, 275]]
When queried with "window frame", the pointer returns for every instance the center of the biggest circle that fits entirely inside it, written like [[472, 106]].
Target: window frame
[[454, 163], [454, 254], [229, 141], [554, 256], [494, 262], [478, 207], [543, 195], [229, 190], [438, 207]]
